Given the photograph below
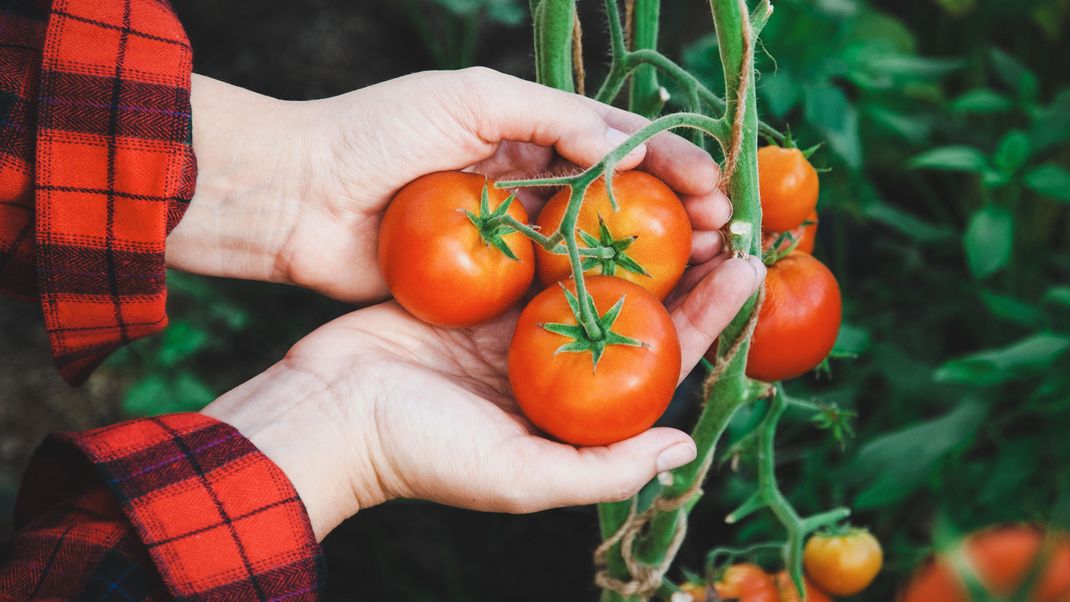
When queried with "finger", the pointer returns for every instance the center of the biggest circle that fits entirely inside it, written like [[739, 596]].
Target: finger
[[692, 277], [710, 211], [706, 245], [558, 475], [703, 313], [686, 168], [511, 109]]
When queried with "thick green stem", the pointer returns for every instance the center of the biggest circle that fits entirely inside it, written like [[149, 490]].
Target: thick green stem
[[645, 94], [730, 392], [553, 42]]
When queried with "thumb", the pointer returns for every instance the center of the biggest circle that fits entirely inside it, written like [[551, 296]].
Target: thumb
[[556, 474]]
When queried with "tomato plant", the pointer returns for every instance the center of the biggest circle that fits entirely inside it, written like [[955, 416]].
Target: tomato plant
[[647, 239], [594, 392], [445, 254], [1001, 559], [843, 564], [798, 321], [789, 187], [746, 583]]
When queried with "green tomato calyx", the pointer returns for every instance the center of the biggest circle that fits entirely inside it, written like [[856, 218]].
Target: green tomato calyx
[[581, 342], [492, 225]]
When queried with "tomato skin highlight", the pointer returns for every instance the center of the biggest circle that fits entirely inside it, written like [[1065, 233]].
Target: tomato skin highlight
[[788, 594], [747, 583], [436, 263], [788, 186], [648, 209], [805, 234], [1003, 557], [565, 395], [798, 321], [843, 565]]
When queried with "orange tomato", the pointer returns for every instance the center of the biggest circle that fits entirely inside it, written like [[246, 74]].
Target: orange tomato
[[843, 565], [805, 234], [799, 320], [788, 594], [747, 583], [647, 210], [697, 591], [1002, 557], [435, 260], [565, 394], [788, 186]]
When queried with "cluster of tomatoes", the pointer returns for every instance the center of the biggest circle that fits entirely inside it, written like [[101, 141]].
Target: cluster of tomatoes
[[836, 565], [450, 251], [800, 317]]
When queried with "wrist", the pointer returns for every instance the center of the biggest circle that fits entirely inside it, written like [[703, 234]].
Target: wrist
[[248, 185], [290, 417]]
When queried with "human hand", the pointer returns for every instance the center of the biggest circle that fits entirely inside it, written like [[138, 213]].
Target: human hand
[[294, 191], [377, 405]]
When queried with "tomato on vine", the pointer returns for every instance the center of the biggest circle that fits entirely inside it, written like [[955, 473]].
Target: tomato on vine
[[1002, 558], [798, 321], [788, 593], [445, 253], [803, 238], [746, 583], [647, 239], [788, 186], [594, 392], [843, 564]]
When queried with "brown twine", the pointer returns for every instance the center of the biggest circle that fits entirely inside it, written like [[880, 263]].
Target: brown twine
[[732, 157], [629, 21], [579, 74]]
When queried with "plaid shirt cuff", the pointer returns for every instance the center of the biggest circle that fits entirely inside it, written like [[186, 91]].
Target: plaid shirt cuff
[[217, 517]]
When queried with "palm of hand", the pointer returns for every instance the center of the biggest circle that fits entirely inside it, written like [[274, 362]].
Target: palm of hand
[[447, 428]]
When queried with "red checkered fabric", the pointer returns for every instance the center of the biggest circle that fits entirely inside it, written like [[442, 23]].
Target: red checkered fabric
[[96, 166], [180, 506]]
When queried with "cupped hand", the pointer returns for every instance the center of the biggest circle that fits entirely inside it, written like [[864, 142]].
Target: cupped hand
[[294, 191], [377, 405]]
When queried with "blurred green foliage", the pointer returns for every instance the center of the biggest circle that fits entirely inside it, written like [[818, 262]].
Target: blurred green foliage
[[944, 214]]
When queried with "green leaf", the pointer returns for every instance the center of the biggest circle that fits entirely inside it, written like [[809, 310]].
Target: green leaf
[[994, 366], [780, 92], [989, 240], [1049, 180], [852, 341], [951, 158], [1014, 74], [154, 395], [181, 340], [1012, 152], [895, 465], [981, 101], [1058, 295], [827, 108], [1013, 310], [906, 223]]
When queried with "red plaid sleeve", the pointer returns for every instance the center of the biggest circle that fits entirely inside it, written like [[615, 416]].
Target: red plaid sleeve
[[96, 166], [179, 506]]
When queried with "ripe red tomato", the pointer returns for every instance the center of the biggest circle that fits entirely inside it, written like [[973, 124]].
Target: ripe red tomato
[[788, 594], [1003, 557], [435, 260], [747, 583], [805, 234], [566, 395], [788, 186], [843, 565], [799, 320], [647, 210]]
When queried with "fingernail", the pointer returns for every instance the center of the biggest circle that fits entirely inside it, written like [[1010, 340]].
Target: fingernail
[[615, 138], [759, 270], [676, 456]]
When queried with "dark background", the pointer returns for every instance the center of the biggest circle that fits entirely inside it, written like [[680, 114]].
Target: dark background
[[961, 384]]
